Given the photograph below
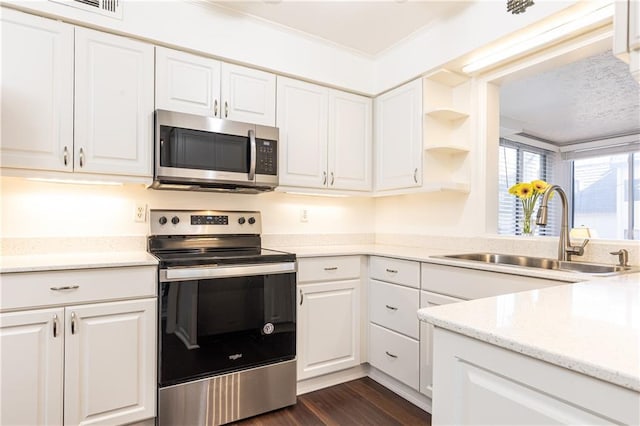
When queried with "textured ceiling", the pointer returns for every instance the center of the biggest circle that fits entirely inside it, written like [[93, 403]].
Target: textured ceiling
[[585, 100], [369, 27]]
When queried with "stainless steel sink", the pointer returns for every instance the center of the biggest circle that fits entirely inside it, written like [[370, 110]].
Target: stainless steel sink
[[542, 263]]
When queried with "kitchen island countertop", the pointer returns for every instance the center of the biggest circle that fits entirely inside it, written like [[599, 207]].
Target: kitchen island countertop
[[592, 327]]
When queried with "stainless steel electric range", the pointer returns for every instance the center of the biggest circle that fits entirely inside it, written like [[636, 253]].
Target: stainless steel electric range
[[227, 318]]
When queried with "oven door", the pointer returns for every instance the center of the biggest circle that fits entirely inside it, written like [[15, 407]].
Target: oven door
[[220, 319]]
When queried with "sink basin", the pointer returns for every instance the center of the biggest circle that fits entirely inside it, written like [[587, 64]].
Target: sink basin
[[542, 263]]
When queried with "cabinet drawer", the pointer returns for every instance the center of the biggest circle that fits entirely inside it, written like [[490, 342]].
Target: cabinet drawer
[[32, 289], [394, 307], [394, 354], [405, 272], [328, 268]]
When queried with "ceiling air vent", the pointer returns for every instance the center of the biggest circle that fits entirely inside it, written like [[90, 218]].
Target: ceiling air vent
[[111, 8]]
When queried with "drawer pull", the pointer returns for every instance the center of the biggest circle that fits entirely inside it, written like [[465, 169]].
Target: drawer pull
[[301, 297], [392, 271], [390, 354], [333, 268], [66, 287], [55, 326], [393, 308]]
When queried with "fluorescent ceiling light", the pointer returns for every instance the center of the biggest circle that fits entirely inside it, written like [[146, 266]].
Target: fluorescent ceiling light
[[541, 37], [74, 181]]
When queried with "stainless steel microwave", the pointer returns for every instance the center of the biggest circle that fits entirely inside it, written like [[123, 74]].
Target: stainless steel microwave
[[195, 152]]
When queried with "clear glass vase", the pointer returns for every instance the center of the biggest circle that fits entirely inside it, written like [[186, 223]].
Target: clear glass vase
[[528, 224]]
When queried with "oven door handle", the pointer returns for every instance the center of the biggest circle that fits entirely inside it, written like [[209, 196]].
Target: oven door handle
[[197, 273]]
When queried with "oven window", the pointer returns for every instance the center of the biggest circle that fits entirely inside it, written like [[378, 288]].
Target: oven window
[[219, 325], [194, 149]]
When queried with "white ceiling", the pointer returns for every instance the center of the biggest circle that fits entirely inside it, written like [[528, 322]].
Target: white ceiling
[[592, 98], [369, 27]]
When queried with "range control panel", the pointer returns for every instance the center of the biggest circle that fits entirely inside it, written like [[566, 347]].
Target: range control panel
[[204, 222]]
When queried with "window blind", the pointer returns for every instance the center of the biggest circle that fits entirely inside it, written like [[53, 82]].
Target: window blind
[[519, 162]]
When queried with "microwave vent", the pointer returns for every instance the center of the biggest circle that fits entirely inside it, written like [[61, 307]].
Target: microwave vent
[[111, 8]]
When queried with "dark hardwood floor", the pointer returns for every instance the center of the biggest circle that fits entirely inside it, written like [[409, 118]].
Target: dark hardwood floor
[[359, 402]]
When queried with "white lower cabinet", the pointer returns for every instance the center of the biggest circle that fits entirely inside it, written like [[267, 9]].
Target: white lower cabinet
[[328, 335], [31, 361], [110, 362], [478, 383], [394, 354], [427, 300], [78, 364], [394, 299]]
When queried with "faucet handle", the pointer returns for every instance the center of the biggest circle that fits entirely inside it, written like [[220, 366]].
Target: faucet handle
[[623, 257]]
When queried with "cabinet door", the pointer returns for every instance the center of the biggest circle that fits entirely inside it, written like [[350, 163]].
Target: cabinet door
[[349, 141], [248, 95], [113, 104], [328, 327], [302, 119], [187, 83], [110, 362], [31, 361], [428, 300], [399, 137], [37, 92]]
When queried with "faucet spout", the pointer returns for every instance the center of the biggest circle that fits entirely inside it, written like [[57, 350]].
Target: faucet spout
[[565, 249]]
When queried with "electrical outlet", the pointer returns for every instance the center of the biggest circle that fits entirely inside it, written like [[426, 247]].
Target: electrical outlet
[[304, 215], [140, 214]]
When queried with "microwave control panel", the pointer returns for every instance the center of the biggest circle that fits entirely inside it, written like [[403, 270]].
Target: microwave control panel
[[266, 157]]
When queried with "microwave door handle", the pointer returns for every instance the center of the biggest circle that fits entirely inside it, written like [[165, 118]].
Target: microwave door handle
[[252, 161]]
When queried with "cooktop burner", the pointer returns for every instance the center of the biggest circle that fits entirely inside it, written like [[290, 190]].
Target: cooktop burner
[[183, 238]]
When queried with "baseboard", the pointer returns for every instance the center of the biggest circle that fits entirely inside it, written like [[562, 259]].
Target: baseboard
[[402, 390], [332, 379]]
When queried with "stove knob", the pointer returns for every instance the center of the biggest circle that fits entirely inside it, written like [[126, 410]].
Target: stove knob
[[241, 221], [162, 220], [175, 220], [252, 220]]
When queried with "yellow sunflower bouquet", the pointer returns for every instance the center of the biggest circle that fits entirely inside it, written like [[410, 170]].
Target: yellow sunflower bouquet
[[528, 193]]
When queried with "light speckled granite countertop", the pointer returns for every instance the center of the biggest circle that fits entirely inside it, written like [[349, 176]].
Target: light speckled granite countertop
[[67, 261], [591, 327]]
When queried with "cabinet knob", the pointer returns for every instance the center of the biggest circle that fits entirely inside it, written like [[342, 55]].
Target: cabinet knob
[[226, 109], [215, 108]]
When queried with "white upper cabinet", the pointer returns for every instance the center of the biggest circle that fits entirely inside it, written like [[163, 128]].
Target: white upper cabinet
[[37, 92], [350, 144], [248, 95], [105, 128], [187, 83], [325, 137], [199, 85], [113, 104], [398, 136], [302, 119]]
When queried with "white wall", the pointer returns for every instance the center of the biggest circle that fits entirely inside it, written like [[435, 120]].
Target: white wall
[[42, 209], [204, 28]]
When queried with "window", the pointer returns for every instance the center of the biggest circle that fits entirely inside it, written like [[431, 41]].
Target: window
[[522, 163], [602, 198]]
